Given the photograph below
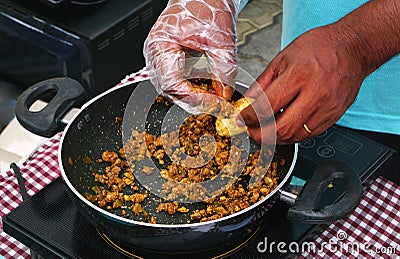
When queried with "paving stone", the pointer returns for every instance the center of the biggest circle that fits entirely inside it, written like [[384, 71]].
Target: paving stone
[[257, 15], [259, 34]]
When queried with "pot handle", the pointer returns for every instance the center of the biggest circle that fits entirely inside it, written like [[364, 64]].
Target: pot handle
[[307, 207], [48, 121]]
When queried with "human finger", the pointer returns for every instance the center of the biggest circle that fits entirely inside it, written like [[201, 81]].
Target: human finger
[[302, 120], [223, 66], [262, 82], [264, 134], [269, 102]]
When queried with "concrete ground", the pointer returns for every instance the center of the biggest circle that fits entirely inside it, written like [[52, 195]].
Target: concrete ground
[[259, 34]]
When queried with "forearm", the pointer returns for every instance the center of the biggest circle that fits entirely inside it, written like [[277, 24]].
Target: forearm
[[371, 33]]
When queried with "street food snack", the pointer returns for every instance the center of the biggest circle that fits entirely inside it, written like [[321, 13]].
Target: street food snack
[[227, 125]]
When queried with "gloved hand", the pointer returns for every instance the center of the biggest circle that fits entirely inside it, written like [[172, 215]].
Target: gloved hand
[[207, 27]]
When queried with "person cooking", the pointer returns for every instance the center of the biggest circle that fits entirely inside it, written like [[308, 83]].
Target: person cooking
[[339, 63]]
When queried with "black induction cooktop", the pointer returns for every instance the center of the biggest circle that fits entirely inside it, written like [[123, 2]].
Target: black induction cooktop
[[50, 225]]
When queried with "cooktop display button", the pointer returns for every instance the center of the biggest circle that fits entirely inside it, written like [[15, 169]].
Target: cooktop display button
[[309, 143], [343, 143], [326, 151]]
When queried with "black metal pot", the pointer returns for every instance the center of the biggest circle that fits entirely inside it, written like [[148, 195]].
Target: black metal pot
[[92, 130]]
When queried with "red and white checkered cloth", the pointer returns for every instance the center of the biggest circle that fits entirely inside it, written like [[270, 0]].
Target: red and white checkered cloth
[[38, 170], [373, 230]]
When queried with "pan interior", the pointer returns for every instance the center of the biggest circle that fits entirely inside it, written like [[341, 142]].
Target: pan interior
[[96, 130]]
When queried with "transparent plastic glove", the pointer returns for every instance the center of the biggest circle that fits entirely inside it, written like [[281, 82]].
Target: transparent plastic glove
[[186, 27]]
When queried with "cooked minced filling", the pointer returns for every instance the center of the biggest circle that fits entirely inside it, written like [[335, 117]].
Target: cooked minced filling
[[118, 189]]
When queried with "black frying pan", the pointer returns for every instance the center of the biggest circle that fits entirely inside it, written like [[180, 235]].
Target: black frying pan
[[93, 130]]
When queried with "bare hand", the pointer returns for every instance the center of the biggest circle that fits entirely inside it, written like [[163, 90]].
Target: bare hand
[[314, 79]]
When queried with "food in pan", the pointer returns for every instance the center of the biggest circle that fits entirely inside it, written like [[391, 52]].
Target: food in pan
[[117, 187], [226, 126], [227, 112], [210, 86]]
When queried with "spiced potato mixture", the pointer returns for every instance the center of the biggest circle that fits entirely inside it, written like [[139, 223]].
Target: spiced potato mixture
[[118, 189]]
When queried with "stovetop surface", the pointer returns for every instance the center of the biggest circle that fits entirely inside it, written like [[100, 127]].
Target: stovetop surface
[[49, 223]]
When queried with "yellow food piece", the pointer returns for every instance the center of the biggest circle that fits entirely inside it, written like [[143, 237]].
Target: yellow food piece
[[227, 126]]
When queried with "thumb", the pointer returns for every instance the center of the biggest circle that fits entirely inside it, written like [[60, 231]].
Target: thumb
[[222, 65]]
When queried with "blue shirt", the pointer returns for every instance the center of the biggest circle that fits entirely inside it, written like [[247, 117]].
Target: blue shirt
[[242, 4], [377, 106]]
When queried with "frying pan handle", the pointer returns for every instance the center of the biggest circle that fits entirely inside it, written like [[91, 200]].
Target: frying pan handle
[[48, 121], [307, 206]]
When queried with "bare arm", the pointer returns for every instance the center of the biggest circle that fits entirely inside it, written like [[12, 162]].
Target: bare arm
[[371, 33]]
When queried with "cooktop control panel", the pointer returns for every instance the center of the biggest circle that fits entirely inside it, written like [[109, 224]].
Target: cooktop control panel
[[360, 153]]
